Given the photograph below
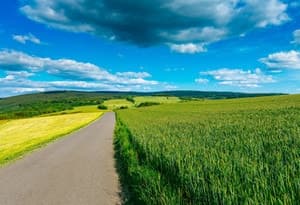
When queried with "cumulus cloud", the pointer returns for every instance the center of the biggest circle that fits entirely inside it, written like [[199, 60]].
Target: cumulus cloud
[[283, 60], [239, 77], [26, 38], [15, 60], [71, 74], [187, 48], [170, 87], [12, 75], [20, 90], [296, 35], [17, 82], [68, 69], [181, 24], [78, 84], [134, 74]]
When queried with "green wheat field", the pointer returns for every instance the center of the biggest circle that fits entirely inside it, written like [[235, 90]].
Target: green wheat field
[[239, 151]]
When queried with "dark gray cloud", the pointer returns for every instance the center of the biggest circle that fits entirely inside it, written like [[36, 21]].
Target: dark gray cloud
[[149, 22]]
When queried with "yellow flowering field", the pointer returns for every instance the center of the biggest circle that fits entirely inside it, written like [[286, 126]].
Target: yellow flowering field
[[20, 136]]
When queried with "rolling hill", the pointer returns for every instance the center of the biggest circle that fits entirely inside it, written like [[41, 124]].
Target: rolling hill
[[53, 101]]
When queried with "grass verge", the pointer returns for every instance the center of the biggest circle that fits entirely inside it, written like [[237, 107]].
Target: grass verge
[[140, 183]]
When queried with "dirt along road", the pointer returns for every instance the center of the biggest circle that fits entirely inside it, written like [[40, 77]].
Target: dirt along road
[[78, 169]]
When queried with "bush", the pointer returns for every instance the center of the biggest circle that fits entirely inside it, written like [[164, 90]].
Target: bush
[[146, 104], [102, 107], [130, 99]]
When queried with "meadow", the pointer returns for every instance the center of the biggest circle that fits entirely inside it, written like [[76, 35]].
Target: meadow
[[113, 104], [158, 99], [79, 109], [117, 103], [240, 151], [36, 104], [20, 136]]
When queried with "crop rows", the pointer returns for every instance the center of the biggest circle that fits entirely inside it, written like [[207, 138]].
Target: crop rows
[[212, 152]]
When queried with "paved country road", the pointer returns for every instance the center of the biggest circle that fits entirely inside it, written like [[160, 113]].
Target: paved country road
[[78, 169]]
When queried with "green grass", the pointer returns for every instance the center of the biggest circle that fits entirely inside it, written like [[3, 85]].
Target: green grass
[[158, 99], [79, 109], [117, 103], [242, 151], [86, 109], [18, 137], [37, 104]]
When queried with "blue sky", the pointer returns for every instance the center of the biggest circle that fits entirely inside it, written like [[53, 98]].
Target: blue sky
[[209, 45]]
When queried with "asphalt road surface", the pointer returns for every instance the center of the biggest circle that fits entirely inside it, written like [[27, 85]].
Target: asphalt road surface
[[78, 169]]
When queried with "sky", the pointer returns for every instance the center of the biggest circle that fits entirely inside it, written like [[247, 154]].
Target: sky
[[248, 46]]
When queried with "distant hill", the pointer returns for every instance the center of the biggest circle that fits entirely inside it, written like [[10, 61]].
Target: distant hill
[[210, 94], [53, 101]]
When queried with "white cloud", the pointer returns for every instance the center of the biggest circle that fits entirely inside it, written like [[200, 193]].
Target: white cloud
[[206, 34], [69, 69], [187, 48], [296, 35], [21, 74], [20, 84], [170, 87], [8, 78], [14, 60], [201, 80], [270, 12], [26, 38], [20, 90], [134, 74], [136, 81], [185, 24], [74, 75], [283, 60], [17, 82], [78, 84], [14, 76], [239, 77]]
